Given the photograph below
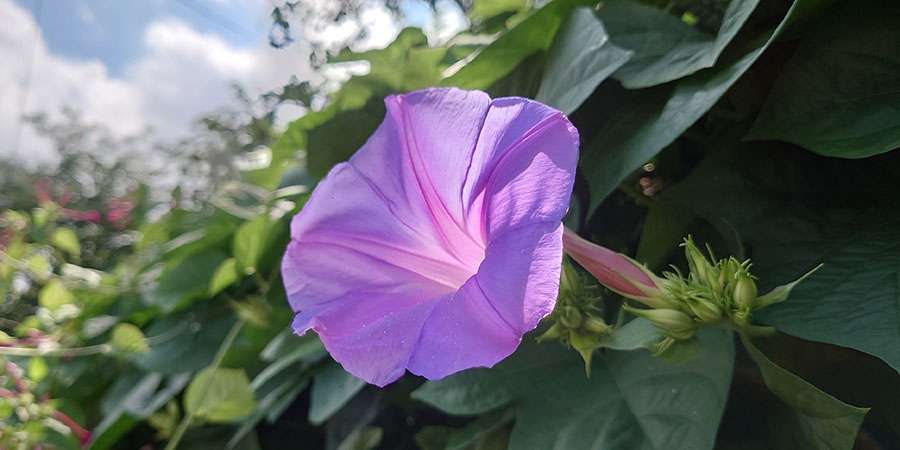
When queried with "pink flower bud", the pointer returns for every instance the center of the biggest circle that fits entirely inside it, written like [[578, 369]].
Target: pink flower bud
[[618, 272]]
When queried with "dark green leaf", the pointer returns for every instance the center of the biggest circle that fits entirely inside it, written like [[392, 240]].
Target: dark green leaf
[[633, 400], [187, 281], [580, 59], [816, 420], [838, 95], [480, 390], [363, 439], [331, 390], [649, 119], [183, 345], [640, 333], [338, 138], [665, 47]]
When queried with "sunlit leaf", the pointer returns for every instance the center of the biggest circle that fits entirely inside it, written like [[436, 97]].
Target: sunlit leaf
[[219, 395], [67, 241]]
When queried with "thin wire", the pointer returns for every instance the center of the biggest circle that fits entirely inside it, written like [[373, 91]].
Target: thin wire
[[215, 17], [17, 136]]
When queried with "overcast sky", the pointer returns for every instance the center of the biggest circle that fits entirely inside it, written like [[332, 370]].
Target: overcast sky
[[162, 63]]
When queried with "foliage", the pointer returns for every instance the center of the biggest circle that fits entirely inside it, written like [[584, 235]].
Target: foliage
[[766, 129]]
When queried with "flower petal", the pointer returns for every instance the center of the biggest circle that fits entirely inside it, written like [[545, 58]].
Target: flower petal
[[483, 323], [525, 163]]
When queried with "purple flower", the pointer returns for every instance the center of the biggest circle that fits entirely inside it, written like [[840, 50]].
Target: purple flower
[[439, 243]]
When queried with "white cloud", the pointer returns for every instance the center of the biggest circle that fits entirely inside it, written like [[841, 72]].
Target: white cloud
[[182, 75]]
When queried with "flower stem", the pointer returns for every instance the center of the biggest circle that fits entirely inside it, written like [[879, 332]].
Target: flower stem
[[220, 355]]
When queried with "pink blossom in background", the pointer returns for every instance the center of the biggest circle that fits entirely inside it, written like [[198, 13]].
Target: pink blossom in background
[[439, 243], [90, 215]]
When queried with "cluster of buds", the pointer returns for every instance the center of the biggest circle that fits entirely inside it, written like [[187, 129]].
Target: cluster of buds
[[713, 292], [24, 418], [577, 319]]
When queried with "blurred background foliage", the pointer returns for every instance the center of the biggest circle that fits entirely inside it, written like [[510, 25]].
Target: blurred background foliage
[[143, 306]]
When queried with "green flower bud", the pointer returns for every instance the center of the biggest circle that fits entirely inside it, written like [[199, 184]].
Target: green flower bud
[[700, 267], [707, 311], [744, 290], [596, 325], [556, 331], [742, 316], [675, 323], [571, 317]]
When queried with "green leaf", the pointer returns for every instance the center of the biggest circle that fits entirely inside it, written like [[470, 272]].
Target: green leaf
[[128, 338], [665, 47], [250, 242], [533, 34], [640, 333], [54, 294], [632, 400], [363, 439], [187, 281], [133, 396], [67, 241], [838, 94], [37, 369], [816, 420], [219, 395], [477, 391], [580, 59], [486, 10], [184, 345], [338, 138], [331, 390], [647, 120], [795, 210], [332, 135], [226, 275], [407, 64]]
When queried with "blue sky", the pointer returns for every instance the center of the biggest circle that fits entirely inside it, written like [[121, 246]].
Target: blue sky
[[163, 64], [112, 30]]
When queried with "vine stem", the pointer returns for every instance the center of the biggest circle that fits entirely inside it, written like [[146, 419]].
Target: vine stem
[[75, 351], [220, 355]]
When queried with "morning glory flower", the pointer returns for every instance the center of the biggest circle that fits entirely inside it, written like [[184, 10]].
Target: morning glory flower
[[439, 243]]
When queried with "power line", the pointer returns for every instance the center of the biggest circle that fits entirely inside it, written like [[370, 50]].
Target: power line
[[215, 17]]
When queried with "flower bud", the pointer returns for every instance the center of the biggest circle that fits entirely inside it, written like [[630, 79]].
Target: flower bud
[[705, 310], [596, 325], [675, 323], [617, 272], [744, 290], [556, 331], [570, 317], [700, 267]]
